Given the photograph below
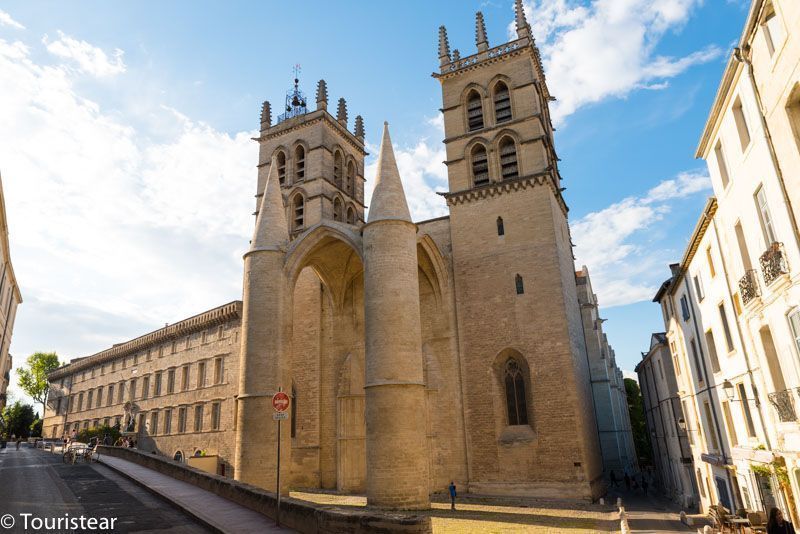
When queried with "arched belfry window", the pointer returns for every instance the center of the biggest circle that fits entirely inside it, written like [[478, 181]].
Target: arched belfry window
[[351, 178], [502, 103], [351, 215], [515, 393], [337, 209], [501, 229], [281, 160], [474, 111], [337, 169], [520, 285], [299, 163], [298, 209], [508, 159], [480, 165]]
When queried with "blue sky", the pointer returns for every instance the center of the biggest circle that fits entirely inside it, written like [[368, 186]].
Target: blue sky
[[129, 173]]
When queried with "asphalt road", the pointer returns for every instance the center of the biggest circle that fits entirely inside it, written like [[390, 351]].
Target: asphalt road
[[38, 483]]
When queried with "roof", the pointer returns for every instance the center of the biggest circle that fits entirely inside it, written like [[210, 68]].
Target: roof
[[219, 315]]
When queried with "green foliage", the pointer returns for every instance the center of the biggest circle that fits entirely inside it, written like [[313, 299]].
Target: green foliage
[[99, 432], [641, 439], [761, 470], [18, 418], [36, 427], [33, 377]]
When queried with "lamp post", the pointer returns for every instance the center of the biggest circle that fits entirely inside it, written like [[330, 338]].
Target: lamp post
[[727, 387], [682, 424]]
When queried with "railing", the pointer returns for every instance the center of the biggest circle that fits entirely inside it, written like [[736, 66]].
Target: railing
[[748, 286], [459, 62], [773, 263], [784, 405]]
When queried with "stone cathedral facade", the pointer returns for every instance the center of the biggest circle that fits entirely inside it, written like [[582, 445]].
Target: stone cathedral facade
[[415, 353]]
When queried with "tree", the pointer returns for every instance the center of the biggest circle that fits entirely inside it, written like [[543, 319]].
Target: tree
[[36, 427], [19, 418], [33, 377], [641, 439]]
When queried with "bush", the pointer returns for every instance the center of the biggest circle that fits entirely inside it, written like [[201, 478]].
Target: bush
[[99, 432]]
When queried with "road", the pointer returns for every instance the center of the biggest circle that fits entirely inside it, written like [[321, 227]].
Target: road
[[38, 483]]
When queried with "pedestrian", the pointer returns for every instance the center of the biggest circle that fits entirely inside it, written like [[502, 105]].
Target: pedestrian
[[107, 440], [19, 439], [644, 485], [452, 489], [627, 482], [613, 478], [777, 524], [74, 436]]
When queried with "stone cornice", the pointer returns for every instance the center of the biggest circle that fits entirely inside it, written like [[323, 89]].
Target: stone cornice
[[494, 189], [308, 119], [220, 315]]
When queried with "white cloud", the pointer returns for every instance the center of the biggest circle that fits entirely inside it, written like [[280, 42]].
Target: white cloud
[[90, 59], [624, 267], [6, 20], [598, 49]]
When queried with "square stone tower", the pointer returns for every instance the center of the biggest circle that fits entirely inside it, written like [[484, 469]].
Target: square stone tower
[[527, 395], [320, 162]]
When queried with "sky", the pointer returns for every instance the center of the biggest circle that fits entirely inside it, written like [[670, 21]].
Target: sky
[[129, 170]]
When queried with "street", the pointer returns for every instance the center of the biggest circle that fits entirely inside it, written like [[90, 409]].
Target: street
[[38, 483]]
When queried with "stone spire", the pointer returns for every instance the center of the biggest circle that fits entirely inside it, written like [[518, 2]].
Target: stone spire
[[444, 46], [456, 55], [266, 116], [523, 29], [388, 197], [322, 95], [341, 112], [359, 128], [480, 33], [271, 228]]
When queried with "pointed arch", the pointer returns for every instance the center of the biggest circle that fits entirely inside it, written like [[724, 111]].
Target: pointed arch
[[338, 209], [298, 216], [351, 215], [350, 179], [280, 160], [509, 167], [474, 109], [501, 98], [514, 377], [479, 163], [299, 162], [338, 167]]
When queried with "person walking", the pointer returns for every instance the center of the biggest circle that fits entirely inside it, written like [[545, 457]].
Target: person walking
[[19, 440], [613, 478], [627, 482], [777, 524], [452, 489]]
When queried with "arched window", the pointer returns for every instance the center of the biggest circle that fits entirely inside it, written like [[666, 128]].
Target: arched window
[[508, 159], [501, 229], [337, 169], [351, 215], [351, 178], [178, 456], [281, 158], [480, 165], [515, 393], [299, 163], [502, 103], [520, 285], [474, 111], [337, 209], [298, 207]]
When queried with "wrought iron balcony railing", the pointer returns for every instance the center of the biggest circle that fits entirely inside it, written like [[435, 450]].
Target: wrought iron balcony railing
[[773, 263], [748, 286], [784, 405]]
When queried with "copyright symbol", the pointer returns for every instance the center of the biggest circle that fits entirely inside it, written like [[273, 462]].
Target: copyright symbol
[[7, 521]]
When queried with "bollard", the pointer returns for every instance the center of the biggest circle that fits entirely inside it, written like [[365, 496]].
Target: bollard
[[619, 501], [708, 530], [602, 501]]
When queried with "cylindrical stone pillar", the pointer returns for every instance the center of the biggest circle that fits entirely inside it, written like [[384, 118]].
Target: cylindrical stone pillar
[[397, 450]]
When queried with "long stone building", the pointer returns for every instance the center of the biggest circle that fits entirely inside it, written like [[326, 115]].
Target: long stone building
[[415, 353], [10, 298]]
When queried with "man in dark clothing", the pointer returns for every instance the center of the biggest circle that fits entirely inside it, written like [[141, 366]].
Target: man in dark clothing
[[613, 478], [452, 489], [627, 482], [644, 485], [107, 440]]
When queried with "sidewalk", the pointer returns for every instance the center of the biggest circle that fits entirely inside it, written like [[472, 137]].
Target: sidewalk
[[651, 513], [216, 512]]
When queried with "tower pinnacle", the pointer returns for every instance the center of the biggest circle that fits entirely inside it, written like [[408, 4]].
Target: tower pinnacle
[[358, 131], [271, 228], [523, 29], [266, 116], [322, 95], [341, 112], [388, 197], [444, 46], [480, 33]]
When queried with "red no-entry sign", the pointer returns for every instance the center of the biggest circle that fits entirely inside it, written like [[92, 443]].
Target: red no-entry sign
[[280, 401]]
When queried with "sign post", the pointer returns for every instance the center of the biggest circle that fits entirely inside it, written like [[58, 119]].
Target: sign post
[[280, 403]]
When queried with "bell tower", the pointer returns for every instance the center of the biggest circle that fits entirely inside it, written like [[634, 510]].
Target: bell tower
[[531, 428], [320, 163]]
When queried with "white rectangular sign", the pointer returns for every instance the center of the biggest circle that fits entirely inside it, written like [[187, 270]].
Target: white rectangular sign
[[280, 416]]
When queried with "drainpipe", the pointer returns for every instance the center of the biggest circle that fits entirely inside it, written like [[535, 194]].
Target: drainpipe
[[710, 390], [743, 56]]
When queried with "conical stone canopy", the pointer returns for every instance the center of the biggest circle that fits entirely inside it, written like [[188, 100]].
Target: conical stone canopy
[[388, 198], [271, 228]]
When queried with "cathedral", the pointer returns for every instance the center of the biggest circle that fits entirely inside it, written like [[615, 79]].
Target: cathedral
[[415, 353]]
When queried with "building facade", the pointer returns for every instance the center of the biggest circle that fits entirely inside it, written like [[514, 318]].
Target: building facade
[[10, 298], [608, 386], [666, 423], [415, 353]]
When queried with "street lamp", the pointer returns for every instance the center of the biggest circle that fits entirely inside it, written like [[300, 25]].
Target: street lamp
[[682, 424], [727, 387]]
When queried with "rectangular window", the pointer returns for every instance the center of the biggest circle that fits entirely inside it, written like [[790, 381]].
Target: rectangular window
[[71, 405], [698, 286], [723, 166], [185, 378], [174, 347], [171, 381], [794, 324], [710, 425], [121, 393], [218, 370], [145, 387], [712, 351], [99, 397], [773, 32], [201, 374], [696, 357], [110, 399], [132, 392], [726, 410], [710, 261], [154, 423], [741, 123], [724, 318], [113, 366], [167, 421], [215, 413], [89, 397], [764, 217], [157, 384], [149, 355], [748, 417], [685, 308], [181, 420], [689, 432], [661, 369], [198, 418], [742, 242]]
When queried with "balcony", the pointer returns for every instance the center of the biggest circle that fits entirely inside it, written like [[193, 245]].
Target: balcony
[[748, 286], [784, 405], [773, 263]]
